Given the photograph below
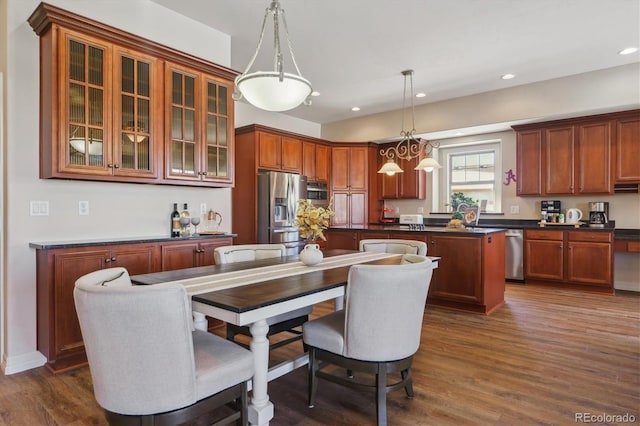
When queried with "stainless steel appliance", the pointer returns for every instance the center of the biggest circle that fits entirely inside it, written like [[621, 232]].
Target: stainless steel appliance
[[318, 194], [514, 255], [278, 195], [598, 214]]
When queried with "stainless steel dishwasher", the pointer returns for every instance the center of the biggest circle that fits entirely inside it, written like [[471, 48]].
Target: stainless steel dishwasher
[[514, 255]]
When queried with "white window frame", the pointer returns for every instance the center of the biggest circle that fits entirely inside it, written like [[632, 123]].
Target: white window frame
[[446, 151]]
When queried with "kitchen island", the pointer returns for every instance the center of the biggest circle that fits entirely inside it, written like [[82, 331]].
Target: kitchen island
[[471, 273]]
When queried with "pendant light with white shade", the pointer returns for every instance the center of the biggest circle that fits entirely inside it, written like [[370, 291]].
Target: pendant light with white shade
[[274, 90]]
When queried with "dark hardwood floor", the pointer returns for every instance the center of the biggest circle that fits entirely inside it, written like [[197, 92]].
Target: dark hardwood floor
[[545, 356]]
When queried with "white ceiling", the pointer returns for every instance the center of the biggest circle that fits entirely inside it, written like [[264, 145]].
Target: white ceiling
[[353, 51]]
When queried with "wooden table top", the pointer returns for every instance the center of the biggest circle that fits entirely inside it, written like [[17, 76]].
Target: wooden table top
[[265, 293]]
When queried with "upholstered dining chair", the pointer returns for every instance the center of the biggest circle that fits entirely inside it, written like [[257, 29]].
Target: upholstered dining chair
[[148, 364], [394, 246], [289, 322], [377, 332]]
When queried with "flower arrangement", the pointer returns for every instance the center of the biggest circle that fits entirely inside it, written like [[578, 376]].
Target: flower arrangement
[[312, 221]]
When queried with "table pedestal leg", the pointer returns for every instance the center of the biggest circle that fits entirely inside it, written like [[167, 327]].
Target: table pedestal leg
[[200, 321], [260, 409]]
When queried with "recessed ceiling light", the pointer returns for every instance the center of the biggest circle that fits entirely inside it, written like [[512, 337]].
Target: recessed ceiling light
[[315, 93], [628, 51], [420, 95], [355, 109], [508, 76]]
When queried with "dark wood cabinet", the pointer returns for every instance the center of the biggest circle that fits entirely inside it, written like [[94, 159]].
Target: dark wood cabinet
[[316, 162], [471, 273], [280, 153], [529, 162], [349, 180], [579, 156], [342, 239], [578, 258], [189, 254], [115, 107], [59, 336], [544, 255], [627, 149], [199, 146], [410, 184]]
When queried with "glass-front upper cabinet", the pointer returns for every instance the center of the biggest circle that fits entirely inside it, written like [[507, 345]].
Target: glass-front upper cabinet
[[138, 117], [200, 127], [84, 88]]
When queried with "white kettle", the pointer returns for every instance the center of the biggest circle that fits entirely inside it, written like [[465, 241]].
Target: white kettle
[[574, 215]]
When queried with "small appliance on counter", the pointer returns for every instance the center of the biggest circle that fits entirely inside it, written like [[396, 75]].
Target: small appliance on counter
[[411, 219], [550, 210], [573, 215], [387, 215], [598, 214]]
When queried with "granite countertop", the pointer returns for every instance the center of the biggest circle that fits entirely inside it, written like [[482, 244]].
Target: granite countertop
[[427, 228], [128, 240]]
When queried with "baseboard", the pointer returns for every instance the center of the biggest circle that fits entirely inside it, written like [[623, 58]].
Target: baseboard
[[17, 364]]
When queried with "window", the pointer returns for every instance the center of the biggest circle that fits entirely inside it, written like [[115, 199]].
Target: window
[[473, 169]]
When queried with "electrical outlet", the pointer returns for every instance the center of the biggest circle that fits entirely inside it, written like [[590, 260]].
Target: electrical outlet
[[203, 208], [39, 208], [83, 208], [515, 209], [420, 210]]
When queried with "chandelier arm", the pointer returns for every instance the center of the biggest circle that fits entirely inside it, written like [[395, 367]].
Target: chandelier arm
[[255, 54], [286, 33]]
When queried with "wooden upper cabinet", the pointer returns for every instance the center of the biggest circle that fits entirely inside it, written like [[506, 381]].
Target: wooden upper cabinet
[[316, 161], [277, 152], [529, 162], [198, 144], [579, 156], [115, 106], [559, 162], [593, 162], [627, 149], [410, 184]]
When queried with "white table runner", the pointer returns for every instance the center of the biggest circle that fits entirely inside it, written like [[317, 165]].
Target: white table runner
[[224, 280]]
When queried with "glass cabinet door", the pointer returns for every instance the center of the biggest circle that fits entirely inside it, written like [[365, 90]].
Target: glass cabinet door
[[136, 90], [85, 105], [183, 152], [217, 131]]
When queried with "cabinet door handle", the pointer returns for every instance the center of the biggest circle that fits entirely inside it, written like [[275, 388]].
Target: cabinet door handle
[[113, 259], [110, 166], [116, 166], [107, 260]]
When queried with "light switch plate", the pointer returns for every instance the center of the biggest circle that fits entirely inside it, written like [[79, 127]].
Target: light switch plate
[[203, 208], [515, 209]]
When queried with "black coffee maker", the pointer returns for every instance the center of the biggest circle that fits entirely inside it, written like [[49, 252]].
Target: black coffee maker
[[598, 214]]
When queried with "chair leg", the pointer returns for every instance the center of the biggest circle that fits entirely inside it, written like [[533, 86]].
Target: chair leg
[[244, 406], [408, 387], [313, 380], [381, 395]]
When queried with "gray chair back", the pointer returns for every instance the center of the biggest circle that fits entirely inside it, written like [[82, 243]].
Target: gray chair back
[[394, 246], [247, 252], [400, 291], [152, 322]]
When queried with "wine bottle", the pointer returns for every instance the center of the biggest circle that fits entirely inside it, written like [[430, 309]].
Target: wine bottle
[[185, 222], [175, 221]]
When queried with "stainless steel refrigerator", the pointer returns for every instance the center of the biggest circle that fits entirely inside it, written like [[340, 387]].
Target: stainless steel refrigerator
[[278, 195]]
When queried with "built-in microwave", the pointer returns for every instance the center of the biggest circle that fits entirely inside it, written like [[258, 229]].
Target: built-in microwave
[[318, 193]]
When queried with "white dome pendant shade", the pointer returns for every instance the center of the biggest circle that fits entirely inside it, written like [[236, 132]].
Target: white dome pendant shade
[[428, 164], [273, 90], [265, 90]]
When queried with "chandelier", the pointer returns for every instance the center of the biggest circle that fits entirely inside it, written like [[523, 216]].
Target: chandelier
[[273, 90], [409, 146]]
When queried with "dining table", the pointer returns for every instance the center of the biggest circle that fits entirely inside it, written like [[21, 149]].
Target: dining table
[[248, 293]]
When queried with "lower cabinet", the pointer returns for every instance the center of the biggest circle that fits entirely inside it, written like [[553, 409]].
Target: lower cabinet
[[578, 258], [342, 239], [470, 274], [58, 332], [189, 254], [59, 337]]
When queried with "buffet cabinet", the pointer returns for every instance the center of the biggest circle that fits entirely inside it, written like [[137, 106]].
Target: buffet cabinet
[[587, 155], [116, 107], [470, 274], [572, 258], [59, 337]]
